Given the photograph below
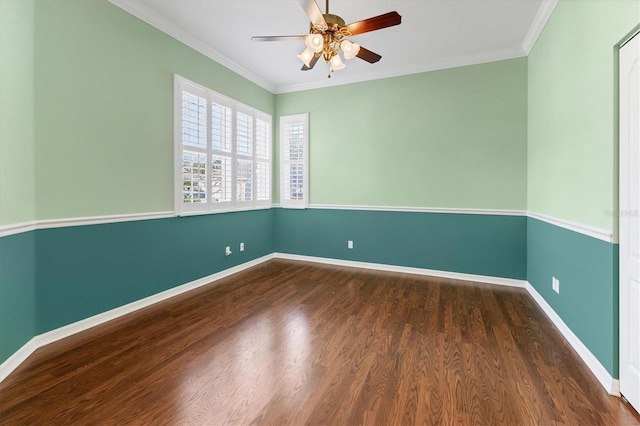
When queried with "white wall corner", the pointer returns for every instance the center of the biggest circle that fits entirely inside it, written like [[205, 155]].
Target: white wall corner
[[544, 13], [610, 384]]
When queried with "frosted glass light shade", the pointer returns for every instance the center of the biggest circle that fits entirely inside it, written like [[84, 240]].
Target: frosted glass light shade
[[336, 63], [314, 42], [306, 56], [349, 49]]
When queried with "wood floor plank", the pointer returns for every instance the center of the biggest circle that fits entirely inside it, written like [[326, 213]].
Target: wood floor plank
[[290, 342]]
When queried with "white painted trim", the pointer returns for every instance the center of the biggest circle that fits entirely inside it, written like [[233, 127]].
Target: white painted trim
[[542, 16], [17, 228], [601, 373], [147, 15], [600, 234], [399, 71], [405, 270], [60, 333], [17, 358], [499, 212], [98, 220], [8, 366]]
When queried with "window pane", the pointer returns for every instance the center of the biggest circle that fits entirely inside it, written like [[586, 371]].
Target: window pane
[[220, 127], [220, 179], [194, 120], [263, 138], [194, 177], [263, 181], [245, 180], [244, 134], [294, 182], [295, 139]]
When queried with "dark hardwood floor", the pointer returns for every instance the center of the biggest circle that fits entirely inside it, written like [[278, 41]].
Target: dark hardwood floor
[[297, 343]]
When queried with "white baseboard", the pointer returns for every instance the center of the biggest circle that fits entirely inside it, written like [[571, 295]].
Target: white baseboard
[[603, 376], [60, 333], [609, 383], [405, 269]]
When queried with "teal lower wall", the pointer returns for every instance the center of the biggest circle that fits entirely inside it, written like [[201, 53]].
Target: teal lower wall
[[85, 270], [17, 292], [492, 245], [588, 272], [53, 277]]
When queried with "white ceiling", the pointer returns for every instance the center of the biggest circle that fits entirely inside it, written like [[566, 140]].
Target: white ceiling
[[434, 34]]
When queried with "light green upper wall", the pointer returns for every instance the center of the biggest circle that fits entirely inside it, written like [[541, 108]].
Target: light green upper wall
[[451, 138], [572, 145], [104, 108], [17, 187]]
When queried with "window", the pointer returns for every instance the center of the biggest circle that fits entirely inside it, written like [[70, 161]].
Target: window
[[223, 152], [294, 161]]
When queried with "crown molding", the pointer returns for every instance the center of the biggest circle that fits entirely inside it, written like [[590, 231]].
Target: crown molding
[[147, 15], [544, 13], [398, 71]]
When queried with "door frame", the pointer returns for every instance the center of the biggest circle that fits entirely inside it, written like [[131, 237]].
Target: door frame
[[622, 197]]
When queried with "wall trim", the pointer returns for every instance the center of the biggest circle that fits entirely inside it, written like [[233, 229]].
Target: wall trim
[[8, 366], [18, 357], [501, 212], [606, 380], [17, 228], [542, 16], [99, 220], [405, 270], [419, 68], [600, 234]]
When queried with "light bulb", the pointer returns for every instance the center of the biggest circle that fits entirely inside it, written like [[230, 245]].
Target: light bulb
[[349, 49], [306, 56], [336, 63], [314, 42]]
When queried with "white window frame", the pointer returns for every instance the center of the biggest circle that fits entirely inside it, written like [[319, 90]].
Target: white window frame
[[285, 201], [181, 208]]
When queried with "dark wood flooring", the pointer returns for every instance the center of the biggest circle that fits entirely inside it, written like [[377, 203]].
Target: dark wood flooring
[[296, 343]]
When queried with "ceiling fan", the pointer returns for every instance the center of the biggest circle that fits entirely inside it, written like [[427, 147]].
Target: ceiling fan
[[328, 36]]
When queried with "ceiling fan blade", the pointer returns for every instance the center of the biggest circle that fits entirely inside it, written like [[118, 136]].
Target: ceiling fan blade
[[376, 23], [312, 63], [278, 38], [313, 12], [367, 55]]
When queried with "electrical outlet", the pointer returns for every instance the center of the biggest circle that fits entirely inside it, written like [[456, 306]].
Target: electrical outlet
[[555, 284], [227, 251], [350, 244], [241, 246]]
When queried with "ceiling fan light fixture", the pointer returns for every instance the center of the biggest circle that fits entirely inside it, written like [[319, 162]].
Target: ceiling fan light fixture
[[314, 42], [336, 63], [306, 56], [349, 49]]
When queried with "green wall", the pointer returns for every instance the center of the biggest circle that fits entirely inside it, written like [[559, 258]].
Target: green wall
[[104, 109], [572, 143], [85, 270], [467, 243], [86, 125], [17, 292], [17, 186], [572, 171], [588, 272], [451, 138]]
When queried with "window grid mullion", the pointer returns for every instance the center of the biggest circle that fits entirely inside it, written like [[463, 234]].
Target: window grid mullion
[[234, 156]]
